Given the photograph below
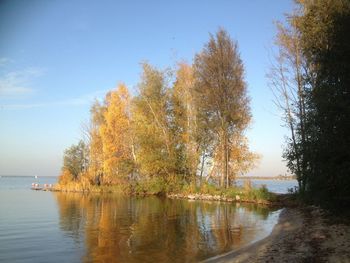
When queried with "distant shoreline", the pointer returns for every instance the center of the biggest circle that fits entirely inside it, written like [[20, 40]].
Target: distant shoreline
[[277, 178], [238, 177], [33, 176]]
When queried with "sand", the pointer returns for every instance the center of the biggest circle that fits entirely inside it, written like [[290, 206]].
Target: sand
[[303, 234]]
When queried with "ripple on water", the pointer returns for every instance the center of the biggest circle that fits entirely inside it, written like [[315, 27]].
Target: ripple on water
[[65, 227]]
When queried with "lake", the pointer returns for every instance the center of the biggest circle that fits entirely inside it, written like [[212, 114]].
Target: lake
[[275, 186], [39, 226]]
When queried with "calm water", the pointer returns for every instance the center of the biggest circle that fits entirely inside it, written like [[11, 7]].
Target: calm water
[[275, 186], [40, 226]]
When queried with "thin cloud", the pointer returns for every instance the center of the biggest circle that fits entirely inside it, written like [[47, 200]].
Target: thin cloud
[[85, 99], [17, 83], [4, 61]]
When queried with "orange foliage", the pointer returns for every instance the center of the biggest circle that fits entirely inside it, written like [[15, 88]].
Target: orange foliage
[[65, 177], [115, 134]]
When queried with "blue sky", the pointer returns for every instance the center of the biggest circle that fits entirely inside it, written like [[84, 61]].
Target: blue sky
[[57, 56]]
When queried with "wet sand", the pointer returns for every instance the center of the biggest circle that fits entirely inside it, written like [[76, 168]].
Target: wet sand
[[302, 235]]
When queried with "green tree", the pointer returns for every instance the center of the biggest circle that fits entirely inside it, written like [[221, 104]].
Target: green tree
[[153, 125], [287, 82], [186, 121], [312, 81], [75, 159], [324, 28]]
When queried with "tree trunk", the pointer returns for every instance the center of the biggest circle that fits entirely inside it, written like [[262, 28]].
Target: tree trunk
[[226, 160], [202, 168], [223, 164]]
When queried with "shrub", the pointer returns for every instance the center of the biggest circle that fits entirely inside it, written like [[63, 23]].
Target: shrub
[[152, 186], [232, 192], [247, 185], [65, 177], [207, 188]]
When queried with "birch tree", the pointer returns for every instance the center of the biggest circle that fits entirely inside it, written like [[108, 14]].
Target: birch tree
[[222, 95]]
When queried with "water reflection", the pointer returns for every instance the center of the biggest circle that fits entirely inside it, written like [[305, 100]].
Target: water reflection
[[123, 229]]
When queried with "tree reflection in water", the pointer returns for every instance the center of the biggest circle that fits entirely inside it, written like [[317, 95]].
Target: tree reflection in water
[[130, 229]]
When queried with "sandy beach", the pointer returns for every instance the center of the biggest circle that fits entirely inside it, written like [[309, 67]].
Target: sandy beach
[[304, 234]]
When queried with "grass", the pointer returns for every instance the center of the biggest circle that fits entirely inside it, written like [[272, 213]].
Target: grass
[[158, 186], [79, 187], [153, 186], [244, 193]]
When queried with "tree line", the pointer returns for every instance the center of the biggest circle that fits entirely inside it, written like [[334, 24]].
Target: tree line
[[310, 78], [182, 126]]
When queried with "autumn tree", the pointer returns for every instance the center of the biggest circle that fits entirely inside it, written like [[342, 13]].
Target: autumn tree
[[242, 158], [221, 95], [153, 125], [115, 133], [185, 116], [96, 147], [169, 132]]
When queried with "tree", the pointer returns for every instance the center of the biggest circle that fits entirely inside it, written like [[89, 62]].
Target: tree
[[170, 132], [287, 81], [185, 117], [324, 29], [115, 132], [153, 125], [221, 95], [75, 159], [96, 146], [242, 159], [311, 82]]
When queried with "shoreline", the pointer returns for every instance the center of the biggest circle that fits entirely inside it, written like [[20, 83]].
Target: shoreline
[[302, 234], [208, 197], [277, 201], [272, 178], [245, 253]]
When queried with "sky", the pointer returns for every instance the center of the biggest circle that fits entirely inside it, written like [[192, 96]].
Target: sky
[[57, 56]]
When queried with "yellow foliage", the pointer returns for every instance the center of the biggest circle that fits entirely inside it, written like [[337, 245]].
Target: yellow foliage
[[65, 177], [241, 158], [116, 135], [186, 116], [96, 153]]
